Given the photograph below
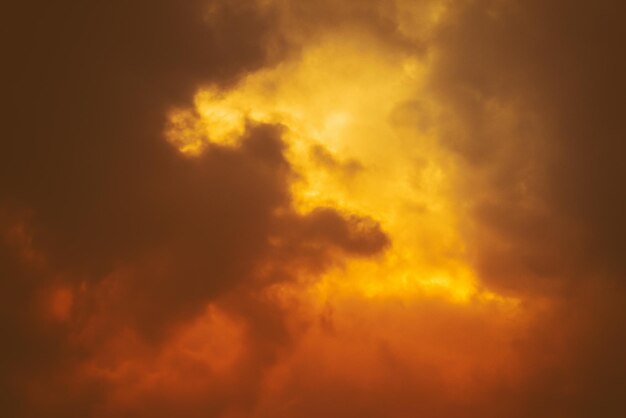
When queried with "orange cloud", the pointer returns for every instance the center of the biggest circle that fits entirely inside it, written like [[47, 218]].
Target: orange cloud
[[276, 208]]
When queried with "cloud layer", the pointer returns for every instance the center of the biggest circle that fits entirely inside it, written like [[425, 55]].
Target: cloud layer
[[405, 208]]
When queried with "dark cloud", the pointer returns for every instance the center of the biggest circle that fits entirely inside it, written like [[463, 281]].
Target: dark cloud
[[101, 217], [549, 170], [324, 158], [84, 168], [533, 92]]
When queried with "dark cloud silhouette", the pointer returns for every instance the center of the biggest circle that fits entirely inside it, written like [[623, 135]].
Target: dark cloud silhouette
[[103, 219], [85, 171]]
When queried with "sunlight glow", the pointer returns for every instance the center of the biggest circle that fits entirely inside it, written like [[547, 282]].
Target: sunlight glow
[[362, 144]]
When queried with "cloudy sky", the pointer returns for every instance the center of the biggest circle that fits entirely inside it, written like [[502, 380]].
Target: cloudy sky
[[313, 208]]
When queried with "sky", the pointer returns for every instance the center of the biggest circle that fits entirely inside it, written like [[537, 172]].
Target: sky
[[301, 209]]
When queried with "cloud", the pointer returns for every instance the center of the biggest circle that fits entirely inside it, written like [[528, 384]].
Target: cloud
[[417, 210], [521, 84], [112, 239], [531, 92]]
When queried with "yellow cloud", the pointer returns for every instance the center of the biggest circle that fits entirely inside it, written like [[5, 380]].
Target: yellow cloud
[[355, 98]]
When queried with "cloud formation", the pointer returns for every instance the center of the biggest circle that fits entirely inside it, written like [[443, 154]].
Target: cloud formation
[[291, 209]]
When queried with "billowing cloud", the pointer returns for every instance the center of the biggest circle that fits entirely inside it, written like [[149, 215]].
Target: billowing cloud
[[282, 208]]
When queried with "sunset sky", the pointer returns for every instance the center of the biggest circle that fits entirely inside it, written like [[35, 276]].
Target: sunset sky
[[313, 208]]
